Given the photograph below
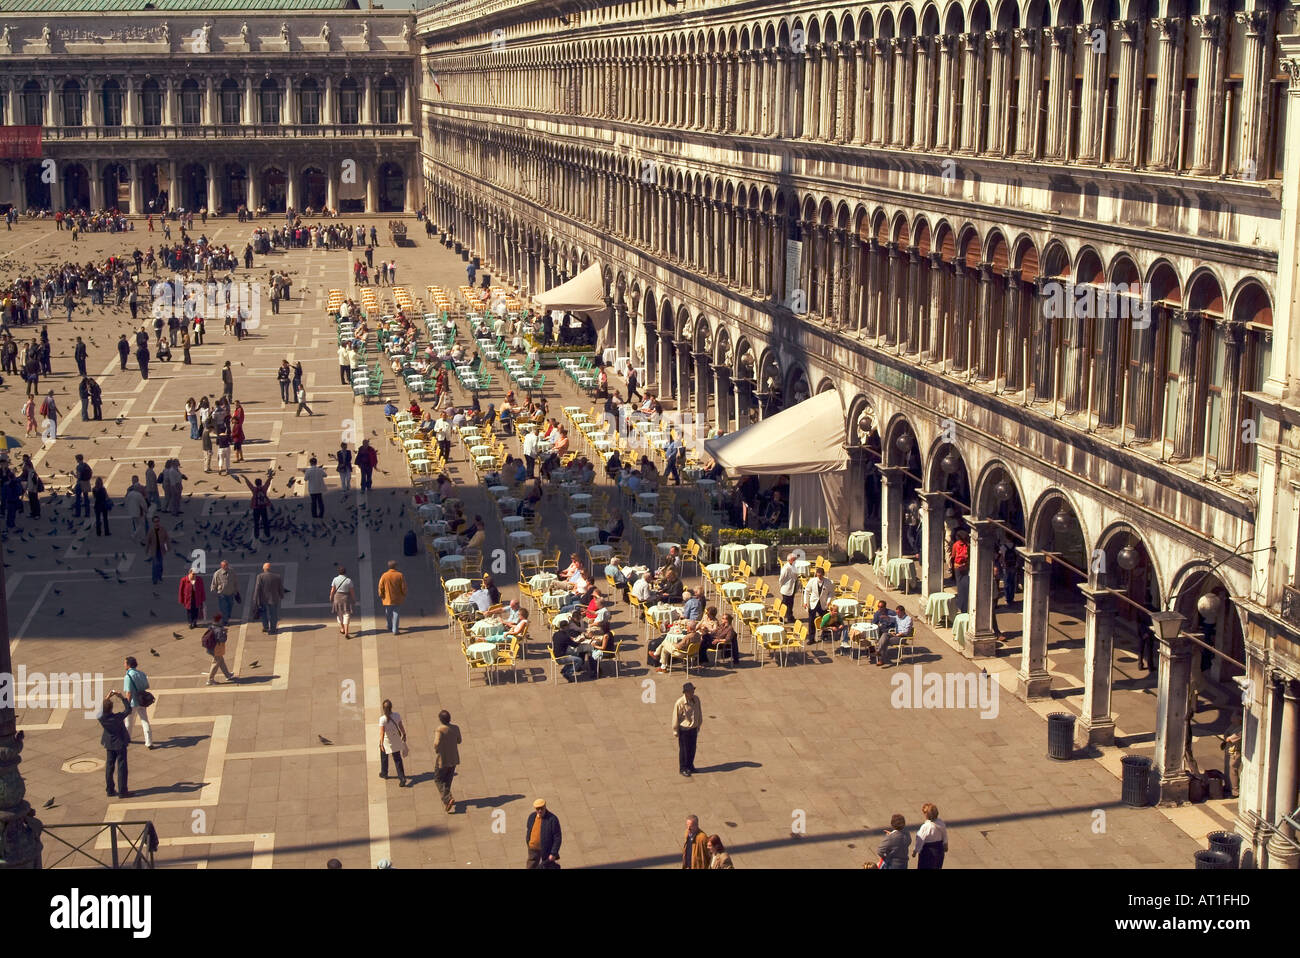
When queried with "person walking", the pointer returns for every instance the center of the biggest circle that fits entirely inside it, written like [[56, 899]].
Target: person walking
[[81, 475], [227, 381], [344, 458], [225, 586], [345, 366], [79, 354], [392, 593], [542, 833], [315, 478], [302, 401], [719, 857], [695, 851], [29, 413], [788, 585], [446, 750], [931, 839], [223, 442], [50, 413], [191, 596], [142, 358], [268, 593], [115, 740], [135, 686], [214, 643], [817, 595], [209, 445], [367, 458], [688, 716], [96, 400], [632, 391], [156, 545], [101, 503], [123, 351], [343, 600], [392, 742], [150, 483]]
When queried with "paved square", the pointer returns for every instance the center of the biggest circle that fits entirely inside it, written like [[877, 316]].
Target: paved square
[[800, 766]]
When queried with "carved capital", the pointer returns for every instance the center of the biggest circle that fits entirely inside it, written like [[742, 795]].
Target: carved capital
[[1291, 67], [1253, 20], [1209, 25], [1168, 27]]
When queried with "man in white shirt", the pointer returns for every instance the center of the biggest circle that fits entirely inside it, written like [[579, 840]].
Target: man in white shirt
[[641, 589], [315, 477], [902, 628], [512, 612], [345, 366], [442, 432], [788, 585], [481, 598], [817, 595], [530, 452]]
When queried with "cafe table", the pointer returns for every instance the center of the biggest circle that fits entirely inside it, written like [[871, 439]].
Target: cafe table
[[453, 562], [938, 607], [960, 626], [900, 573], [864, 542], [731, 553], [869, 630], [455, 586]]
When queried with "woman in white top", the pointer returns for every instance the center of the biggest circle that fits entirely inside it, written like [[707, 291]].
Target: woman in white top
[[931, 839], [392, 741]]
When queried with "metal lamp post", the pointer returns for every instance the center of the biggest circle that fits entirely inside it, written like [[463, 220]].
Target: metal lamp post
[[20, 830]]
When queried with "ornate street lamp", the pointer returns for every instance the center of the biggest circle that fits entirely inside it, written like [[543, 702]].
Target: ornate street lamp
[[905, 443], [1127, 558], [1209, 606], [950, 463], [1060, 521]]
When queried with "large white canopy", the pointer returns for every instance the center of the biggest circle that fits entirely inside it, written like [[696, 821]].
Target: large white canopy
[[585, 293], [806, 439]]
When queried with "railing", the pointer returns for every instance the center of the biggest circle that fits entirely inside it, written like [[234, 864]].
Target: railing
[[226, 130], [130, 845]]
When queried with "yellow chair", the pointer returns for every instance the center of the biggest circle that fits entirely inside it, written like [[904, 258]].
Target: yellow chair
[[473, 665], [692, 651], [507, 656], [614, 656]]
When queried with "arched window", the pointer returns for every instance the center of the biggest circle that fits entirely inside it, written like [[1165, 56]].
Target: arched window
[[111, 100], [191, 103], [349, 102], [72, 103], [151, 103], [230, 105], [33, 104], [270, 101], [308, 103], [388, 91]]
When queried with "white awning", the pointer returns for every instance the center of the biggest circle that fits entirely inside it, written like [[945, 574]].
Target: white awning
[[807, 439], [585, 293]]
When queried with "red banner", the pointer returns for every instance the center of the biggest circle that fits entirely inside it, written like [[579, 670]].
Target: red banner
[[20, 142]]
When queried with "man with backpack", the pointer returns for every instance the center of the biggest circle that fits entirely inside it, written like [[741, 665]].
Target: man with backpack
[[214, 643], [261, 504]]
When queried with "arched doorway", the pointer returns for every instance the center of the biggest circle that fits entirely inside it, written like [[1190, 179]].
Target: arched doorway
[[36, 186], [152, 181], [234, 187], [392, 188], [194, 186], [313, 188], [274, 184], [115, 186], [76, 187]]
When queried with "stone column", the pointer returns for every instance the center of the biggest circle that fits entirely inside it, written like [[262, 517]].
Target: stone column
[[744, 402], [372, 192], [212, 186], [909, 329], [808, 93], [938, 300], [933, 559], [332, 187], [128, 103], [844, 94], [722, 398], [981, 640], [1282, 853], [1168, 772], [844, 306], [1033, 680], [879, 74], [891, 510], [289, 113], [998, 94], [782, 100], [1208, 136], [1185, 437], [1096, 726], [1230, 397], [291, 183], [1059, 87], [367, 106], [701, 387], [1253, 96], [862, 102], [970, 84], [1164, 145], [1131, 76], [947, 82], [133, 171], [683, 376], [96, 187], [665, 365], [1094, 83], [1027, 90]]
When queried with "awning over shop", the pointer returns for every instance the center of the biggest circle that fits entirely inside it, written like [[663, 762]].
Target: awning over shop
[[804, 440]]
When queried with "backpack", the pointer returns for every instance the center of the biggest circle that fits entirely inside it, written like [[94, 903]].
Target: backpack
[[209, 640], [259, 498]]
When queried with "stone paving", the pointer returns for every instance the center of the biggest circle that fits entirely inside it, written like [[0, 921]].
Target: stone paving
[[799, 766]]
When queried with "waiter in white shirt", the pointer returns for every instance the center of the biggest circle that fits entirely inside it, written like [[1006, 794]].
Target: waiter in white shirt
[[817, 595], [788, 586], [530, 452]]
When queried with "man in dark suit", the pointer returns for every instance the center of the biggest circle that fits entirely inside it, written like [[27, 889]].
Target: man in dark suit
[[542, 833], [115, 740]]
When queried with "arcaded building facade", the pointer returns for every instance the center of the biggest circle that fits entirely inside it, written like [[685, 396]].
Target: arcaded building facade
[[172, 104], [1043, 251]]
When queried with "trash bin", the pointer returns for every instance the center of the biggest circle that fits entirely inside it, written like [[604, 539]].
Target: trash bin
[[1137, 775], [1209, 858], [1229, 843], [487, 280], [1060, 735]]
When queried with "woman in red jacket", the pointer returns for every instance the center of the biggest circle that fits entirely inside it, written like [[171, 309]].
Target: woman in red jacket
[[191, 596]]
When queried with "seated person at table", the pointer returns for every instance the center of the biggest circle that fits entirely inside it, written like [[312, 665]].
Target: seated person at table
[[453, 515], [416, 413], [564, 646], [426, 426], [594, 605], [390, 410], [671, 590], [633, 482], [831, 626], [777, 514], [579, 596], [519, 626], [640, 590], [573, 568], [672, 562], [478, 535], [613, 529], [602, 644], [515, 471], [396, 365], [586, 472], [459, 420], [901, 629], [528, 505], [445, 487], [648, 407], [491, 586], [721, 635], [507, 419], [693, 606], [613, 465], [481, 598], [882, 618], [656, 653], [514, 611]]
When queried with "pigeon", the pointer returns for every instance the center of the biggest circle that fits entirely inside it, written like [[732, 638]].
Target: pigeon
[[125, 614], [177, 636], [324, 740], [48, 804], [155, 654], [253, 664], [153, 614], [60, 612]]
